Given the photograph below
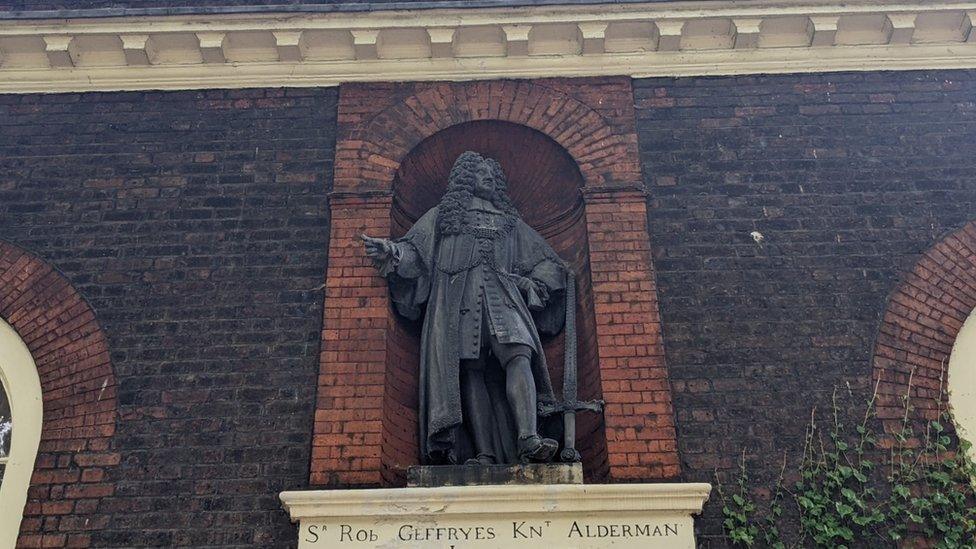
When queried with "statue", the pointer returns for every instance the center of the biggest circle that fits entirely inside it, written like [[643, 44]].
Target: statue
[[486, 285]]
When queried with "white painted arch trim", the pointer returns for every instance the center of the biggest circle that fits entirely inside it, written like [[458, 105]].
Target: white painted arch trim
[[962, 380], [655, 39], [20, 381]]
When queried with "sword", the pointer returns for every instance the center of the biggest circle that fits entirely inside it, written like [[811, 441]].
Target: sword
[[571, 403]]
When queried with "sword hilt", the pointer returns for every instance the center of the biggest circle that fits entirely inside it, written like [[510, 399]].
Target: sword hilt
[[569, 454]]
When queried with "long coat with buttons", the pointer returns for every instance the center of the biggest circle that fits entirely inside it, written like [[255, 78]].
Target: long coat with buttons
[[455, 282]]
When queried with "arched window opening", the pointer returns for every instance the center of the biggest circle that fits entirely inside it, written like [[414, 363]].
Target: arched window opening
[[962, 379], [21, 413], [6, 427]]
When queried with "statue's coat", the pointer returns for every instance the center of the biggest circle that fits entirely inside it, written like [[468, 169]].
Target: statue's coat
[[427, 276]]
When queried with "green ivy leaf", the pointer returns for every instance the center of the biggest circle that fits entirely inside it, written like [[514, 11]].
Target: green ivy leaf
[[844, 509]]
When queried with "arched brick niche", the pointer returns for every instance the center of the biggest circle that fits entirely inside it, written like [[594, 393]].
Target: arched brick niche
[[544, 180], [924, 316], [585, 123], [384, 122], [544, 183], [79, 395]]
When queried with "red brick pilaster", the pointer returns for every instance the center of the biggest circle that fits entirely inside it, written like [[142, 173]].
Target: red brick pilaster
[[641, 439], [346, 446]]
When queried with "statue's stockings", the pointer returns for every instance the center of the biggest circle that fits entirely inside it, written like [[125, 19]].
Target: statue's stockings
[[519, 388]]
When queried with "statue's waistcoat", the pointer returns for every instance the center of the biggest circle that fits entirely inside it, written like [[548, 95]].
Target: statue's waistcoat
[[488, 287]]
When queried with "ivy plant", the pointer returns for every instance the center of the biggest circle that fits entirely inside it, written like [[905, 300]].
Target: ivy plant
[[852, 492]]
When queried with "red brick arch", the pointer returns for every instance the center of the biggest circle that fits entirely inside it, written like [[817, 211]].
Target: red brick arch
[[80, 404], [923, 318], [370, 156]]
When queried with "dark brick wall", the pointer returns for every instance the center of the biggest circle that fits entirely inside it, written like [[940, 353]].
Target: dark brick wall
[[848, 177], [195, 224]]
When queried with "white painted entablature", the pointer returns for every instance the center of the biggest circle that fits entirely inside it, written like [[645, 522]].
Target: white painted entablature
[[326, 49]]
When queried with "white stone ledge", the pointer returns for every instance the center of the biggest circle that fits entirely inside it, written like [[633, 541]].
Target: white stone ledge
[[515, 499], [645, 516], [656, 39]]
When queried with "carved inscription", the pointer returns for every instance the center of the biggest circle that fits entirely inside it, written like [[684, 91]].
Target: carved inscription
[[516, 533]]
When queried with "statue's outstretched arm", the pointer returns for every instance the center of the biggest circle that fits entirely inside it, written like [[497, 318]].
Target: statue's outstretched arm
[[405, 263]]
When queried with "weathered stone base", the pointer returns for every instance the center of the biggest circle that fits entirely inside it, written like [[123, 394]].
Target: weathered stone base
[[595, 516], [433, 476]]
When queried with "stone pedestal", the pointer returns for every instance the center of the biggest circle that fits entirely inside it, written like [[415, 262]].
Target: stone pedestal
[[432, 476], [577, 516]]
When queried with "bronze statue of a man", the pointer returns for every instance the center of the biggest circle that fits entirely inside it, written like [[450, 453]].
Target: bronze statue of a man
[[486, 285]]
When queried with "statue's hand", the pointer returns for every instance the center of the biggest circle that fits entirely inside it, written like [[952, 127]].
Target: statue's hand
[[527, 285], [377, 249]]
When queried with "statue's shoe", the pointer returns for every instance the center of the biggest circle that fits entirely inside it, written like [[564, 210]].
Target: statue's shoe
[[481, 459], [536, 449]]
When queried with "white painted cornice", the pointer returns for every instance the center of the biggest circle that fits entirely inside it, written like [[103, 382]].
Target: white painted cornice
[[687, 498], [326, 49]]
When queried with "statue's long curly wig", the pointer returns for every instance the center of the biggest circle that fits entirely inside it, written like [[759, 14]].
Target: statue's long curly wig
[[451, 218]]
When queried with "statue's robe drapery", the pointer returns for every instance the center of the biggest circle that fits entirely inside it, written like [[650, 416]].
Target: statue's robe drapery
[[433, 276]]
